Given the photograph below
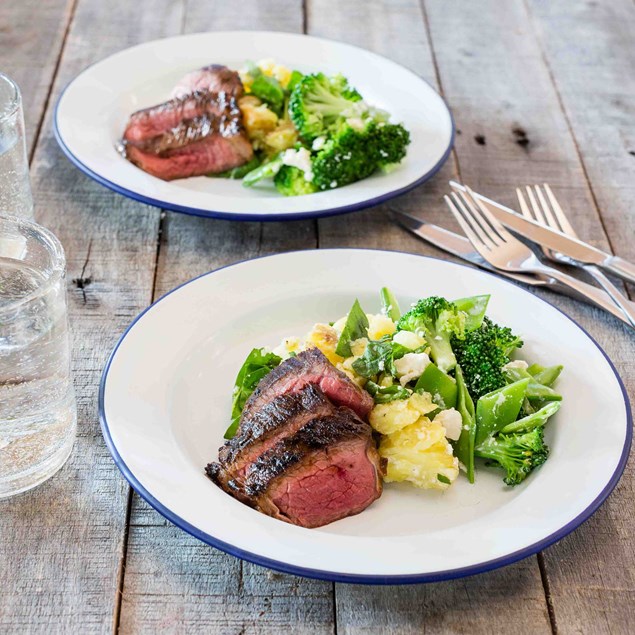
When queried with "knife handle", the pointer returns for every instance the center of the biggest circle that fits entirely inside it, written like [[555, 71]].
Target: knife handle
[[621, 267], [588, 292]]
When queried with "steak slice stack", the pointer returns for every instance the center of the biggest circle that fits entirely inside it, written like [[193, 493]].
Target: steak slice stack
[[297, 455], [199, 132]]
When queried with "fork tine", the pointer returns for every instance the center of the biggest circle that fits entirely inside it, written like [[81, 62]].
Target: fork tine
[[565, 225], [478, 244], [537, 211], [546, 209], [469, 219], [524, 208], [483, 231], [486, 215]]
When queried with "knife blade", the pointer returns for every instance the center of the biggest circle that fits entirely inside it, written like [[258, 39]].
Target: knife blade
[[571, 247], [462, 248]]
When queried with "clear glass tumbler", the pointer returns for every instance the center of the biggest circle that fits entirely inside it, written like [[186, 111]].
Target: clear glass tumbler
[[15, 187], [38, 415]]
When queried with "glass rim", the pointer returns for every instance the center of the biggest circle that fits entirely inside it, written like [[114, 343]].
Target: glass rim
[[55, 251], [14, 103]]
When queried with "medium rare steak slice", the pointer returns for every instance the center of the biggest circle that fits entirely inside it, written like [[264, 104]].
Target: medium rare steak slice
[[281, 417], [210, 155], [309, 367], [328, 470], [215, 78], [177, 123]]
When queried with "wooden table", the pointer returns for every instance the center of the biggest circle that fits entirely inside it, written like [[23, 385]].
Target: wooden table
[[540, 90]]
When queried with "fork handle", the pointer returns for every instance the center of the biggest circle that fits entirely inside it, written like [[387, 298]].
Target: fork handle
[[621, 267], [587, 291]]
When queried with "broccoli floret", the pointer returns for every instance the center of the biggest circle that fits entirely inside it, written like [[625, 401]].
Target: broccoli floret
[[482, 353], [291, 181], [517, 454], [437, 320], [352, 154], [317, 102]]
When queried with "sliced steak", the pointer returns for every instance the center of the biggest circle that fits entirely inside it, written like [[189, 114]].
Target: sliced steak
[[215, 78], [326, 471], [281, 417], [309, 367], [210, 155]]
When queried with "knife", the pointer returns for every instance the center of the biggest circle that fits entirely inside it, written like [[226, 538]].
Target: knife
[[545, 237], [462, 248]]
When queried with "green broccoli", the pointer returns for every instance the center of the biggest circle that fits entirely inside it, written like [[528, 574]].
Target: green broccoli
[[517, 454], [291, 181], [352, 154], [317, 102], [437, 320], [482, 353]]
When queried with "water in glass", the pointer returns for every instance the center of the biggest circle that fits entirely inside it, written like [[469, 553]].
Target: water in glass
[[37, 403]]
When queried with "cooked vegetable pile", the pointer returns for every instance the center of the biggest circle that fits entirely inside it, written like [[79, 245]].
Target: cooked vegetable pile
[[312, 132], [447, 392]]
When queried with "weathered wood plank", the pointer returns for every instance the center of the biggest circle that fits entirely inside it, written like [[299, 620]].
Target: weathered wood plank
[[31, 37], [480, 604], [61, 546], [588, 47], [173, 583]]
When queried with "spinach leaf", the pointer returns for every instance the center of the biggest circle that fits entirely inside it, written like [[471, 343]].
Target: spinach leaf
[[258, 364], [384, 394], [377, 358], [355, 328]]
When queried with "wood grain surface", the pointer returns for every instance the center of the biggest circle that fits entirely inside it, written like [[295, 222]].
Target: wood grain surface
[[540, 91]]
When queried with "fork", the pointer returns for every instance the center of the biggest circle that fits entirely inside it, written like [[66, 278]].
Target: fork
[[500, 248], [546, 210]]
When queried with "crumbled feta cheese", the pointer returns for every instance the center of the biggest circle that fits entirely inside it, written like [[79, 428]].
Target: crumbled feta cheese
[[408, 339], [357, 123], [411, 366], [452, 421], [517, 363], [318, 143], [333, 184], [300, 159]]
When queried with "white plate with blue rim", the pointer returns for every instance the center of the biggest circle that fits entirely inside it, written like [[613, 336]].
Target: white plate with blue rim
[[92, 112], [165, 402]]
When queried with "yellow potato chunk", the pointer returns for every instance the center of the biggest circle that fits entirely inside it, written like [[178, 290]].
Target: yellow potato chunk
[[390, 417], [421, 455], [257, 118], [379, 325], [283, 137], [347, 368], [325, 338]]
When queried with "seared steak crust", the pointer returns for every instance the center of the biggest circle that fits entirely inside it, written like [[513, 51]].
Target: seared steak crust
[[215, 78], [310, 367]]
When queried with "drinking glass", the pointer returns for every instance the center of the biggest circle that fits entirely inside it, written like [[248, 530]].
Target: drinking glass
[[37, 402], [15, 187]]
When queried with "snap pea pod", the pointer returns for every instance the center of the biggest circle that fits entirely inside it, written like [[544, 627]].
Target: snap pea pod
[[545, 376], [534, 420], [464, 447], [536, 392], [442, 387], [474, 308], [498, 409]]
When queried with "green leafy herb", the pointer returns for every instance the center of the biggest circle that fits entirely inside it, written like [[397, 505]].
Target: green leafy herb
[[258, 364], [444, 479], [269, 90], [355, 328], [377, 358]]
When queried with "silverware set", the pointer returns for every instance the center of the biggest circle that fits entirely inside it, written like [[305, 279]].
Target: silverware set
[[491, 245]]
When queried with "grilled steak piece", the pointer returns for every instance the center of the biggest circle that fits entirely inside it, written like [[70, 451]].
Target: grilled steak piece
[[281, 417], [198, 132], [309, 367], [326, 471], [215, 78], [210, 155]]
